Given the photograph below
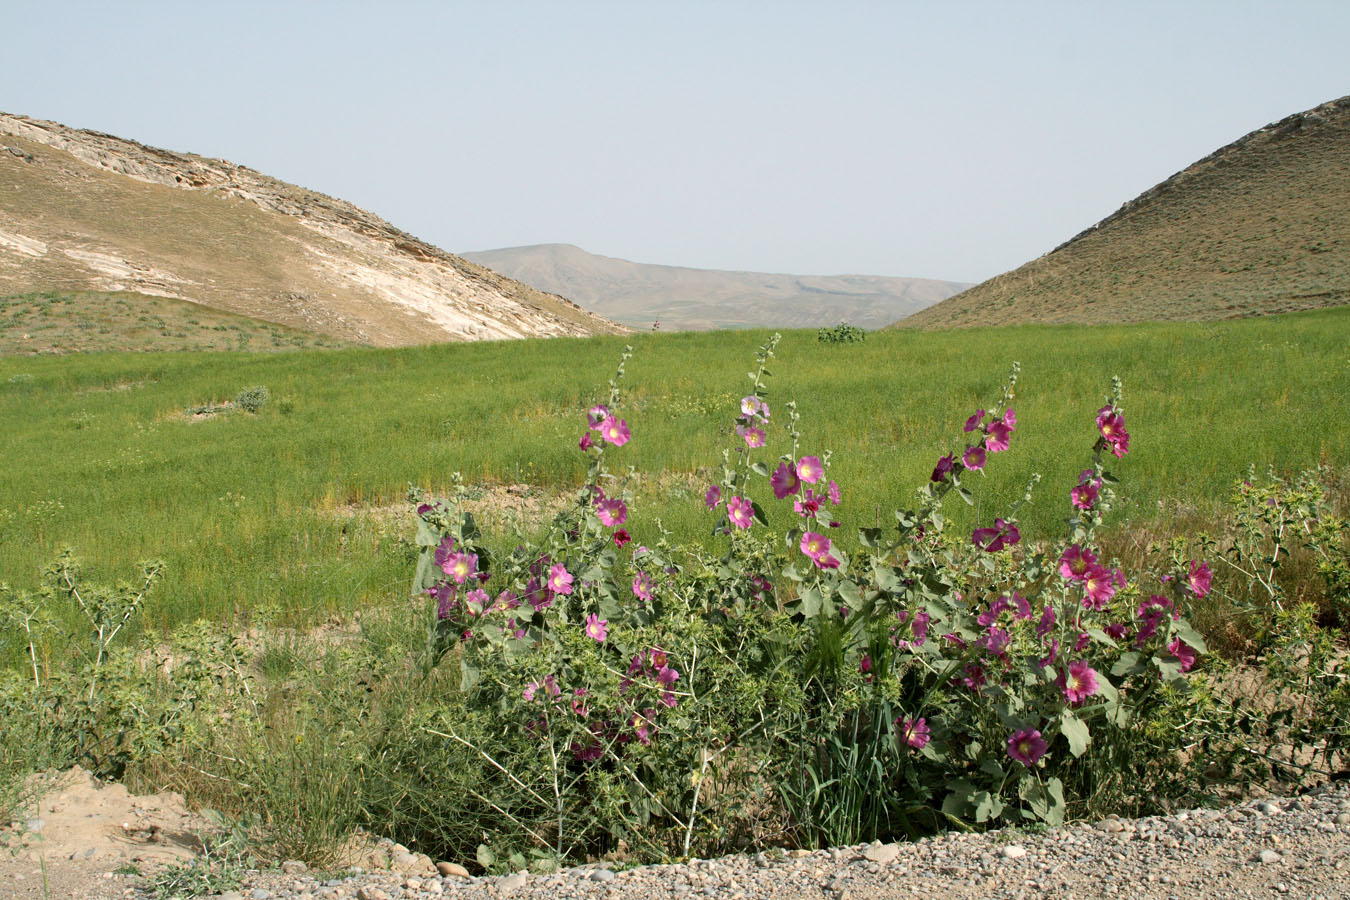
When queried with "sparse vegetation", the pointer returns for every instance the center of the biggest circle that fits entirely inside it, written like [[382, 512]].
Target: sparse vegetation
[[843, 333]]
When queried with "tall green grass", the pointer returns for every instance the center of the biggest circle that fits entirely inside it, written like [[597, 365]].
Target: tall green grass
[[251, 511]]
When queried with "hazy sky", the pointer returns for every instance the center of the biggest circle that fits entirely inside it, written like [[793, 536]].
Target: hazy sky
[[935, 139]]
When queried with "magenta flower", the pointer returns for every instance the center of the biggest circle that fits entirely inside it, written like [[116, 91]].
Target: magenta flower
[[1049, 658], [914, 732], [974, 677], [642, 586], [1075, 562], [1116, 631], [586, 443], [974, 458], [597, 414], [612, 512], [992, 540], [741, 512], [1111, 424], [1084, 496], [461, 566], [1010, 419], [996, 640], [1047, 623], [1099, 586], [974, 421], [443, 552], [825, 561], [784, 481], [615, 431], [809, 469], [1021, 607], [754, 437], [1184, 653], [1027, 746], [1078, 682], [942, 469], [815, 545], [1200, 578], [712, 497], [477, 601], [834, 493], [559, 579], [621, 537], [999, 435], [595, 628], [808, 504]]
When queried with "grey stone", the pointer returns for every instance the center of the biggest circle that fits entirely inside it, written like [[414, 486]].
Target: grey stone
[[882, 854], [1014, 851], [293, 867], [512, 882], [1269, 856], [602, 875]]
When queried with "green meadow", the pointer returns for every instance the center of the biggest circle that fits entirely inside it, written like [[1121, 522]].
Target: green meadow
[[293, 510]]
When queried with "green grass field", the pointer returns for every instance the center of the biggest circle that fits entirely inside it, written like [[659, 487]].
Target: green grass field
[[289, 509]]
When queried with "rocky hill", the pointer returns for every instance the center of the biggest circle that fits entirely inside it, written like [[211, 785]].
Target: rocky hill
[[82, 211], [1261, 225], [638, 294]]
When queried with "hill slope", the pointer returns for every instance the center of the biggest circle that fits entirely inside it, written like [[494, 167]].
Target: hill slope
[[85, 211], [1259, 226], [639, 294]]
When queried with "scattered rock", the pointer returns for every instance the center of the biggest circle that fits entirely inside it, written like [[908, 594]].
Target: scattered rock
[[1014, 851], [1269, 856], [454, 870], [883, 854]]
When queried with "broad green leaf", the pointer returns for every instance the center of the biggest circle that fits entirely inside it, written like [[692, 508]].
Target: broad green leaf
[[1076, 731]]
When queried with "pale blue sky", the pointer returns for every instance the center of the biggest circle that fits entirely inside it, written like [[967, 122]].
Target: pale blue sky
[[943, 140]]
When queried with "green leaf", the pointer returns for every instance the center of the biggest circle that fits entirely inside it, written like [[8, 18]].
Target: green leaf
[[1076, 730], [1182, 629], [987, 806], [849, 593], [760, 468], [811, 602], [965, 495], [1128, 664], [869, 537], [759, 513]]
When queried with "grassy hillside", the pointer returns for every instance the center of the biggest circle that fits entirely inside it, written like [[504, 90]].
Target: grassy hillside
[[1260, 226], [56, 322], [685, 299], [297, 507]]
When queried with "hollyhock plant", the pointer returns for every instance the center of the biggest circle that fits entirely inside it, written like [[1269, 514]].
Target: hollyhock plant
[[1077, 682], [1184, 653], [784, 481], [586, 443], [1111, 424], [443, 552], [559, 579], [1099, 586], [1084, 496], [808, 504], [973, 458], [914, 732], [597, 414], [999, 435], [621, 537], [741, 512], [642, 586], [943, 469], [834, 494], [1027, 746], [809, 469], [1200, 579], [974, 421], [595, 628], [712, 497], [612, 512], [614, 431], [749, 405], [754, 437], [815, 545], [461, 566]]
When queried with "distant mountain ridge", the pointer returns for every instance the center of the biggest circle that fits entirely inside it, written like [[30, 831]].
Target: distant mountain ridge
[[1261, 225], [681, 298], [87, 212]]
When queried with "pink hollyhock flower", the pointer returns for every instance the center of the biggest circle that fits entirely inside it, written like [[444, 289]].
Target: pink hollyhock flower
[[1084, 496], [1116, 631], [597, 414], [1010, 419], [615, 431], [754, 437], [445, 599], [749, 405], [621, 537], [815, 545], [999, 435], [642, 586], [740, 511], [579, 704], [1021, 608], [1047, 623], [612, 512], [974, 458], [1099, 586], [712, 497], [808, 505], [825, 561], [586, 443], [1049, 658], [1184, 653], [595, 628], [1027, 746], [559, 579], [1078, 682], [974, 421], [443, 552], [990, 616], [865, 665], [477, 601], [809, 469], [1200, 578], [996, 640], [914, 732], [1083, 640], [461, 566], [974, 677], [834, 494], [1076, 562], [784, 481], [1111, 424], [992, 540], [942, 469]]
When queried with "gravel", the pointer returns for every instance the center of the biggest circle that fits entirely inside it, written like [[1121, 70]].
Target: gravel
[[1298, 847]]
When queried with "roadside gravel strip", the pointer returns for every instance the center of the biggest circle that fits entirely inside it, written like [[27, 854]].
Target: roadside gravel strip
[[1299, 847]]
